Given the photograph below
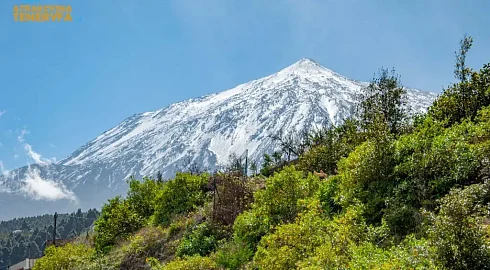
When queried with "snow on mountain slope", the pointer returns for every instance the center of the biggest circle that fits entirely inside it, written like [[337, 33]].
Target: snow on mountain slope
[[208, 129]]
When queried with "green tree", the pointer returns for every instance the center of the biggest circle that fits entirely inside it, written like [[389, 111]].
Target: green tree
[[117, 221], [459, 234], [70, 256], [383, 100], [464, 98], [267, 165], [142, 195], [183, 193], [253, 167], [275, 204], [159, 177], [277, 156], [200, 240]]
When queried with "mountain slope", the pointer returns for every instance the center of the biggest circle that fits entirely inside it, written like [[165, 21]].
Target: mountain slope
[[207, 130]]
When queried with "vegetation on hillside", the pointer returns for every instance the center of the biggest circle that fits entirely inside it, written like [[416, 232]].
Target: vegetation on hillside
[[384, 190], [25, 237]]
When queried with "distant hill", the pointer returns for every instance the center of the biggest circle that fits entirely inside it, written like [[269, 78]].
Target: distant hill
[[24, 237]]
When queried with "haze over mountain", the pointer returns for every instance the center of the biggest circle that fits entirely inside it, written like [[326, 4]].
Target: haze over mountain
[[204, 130]]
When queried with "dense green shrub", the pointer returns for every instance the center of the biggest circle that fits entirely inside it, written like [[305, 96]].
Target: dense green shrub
[[327, 194], [459, 231], [411, 254], [327, 146], [277, 203], [200, 240], [431, 161], [366, 178], [147, 242], [291, 243], [116, 222], [183, 193], [70, 256], [142, 196], [188, 263], [233, 255]]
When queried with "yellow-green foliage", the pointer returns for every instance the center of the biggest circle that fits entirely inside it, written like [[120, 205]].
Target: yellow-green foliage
[[116, 222], [366, 178], [275, 204], [233, 254], [464, 99], [330, 145], [188, 263], [179, 195], [200, 240], [312, 239], [406, 196], [319, 158], [411, 254], [68, 257], [458, 233]]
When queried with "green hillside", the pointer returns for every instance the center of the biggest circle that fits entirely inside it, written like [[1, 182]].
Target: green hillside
[[384, 190], [24, 237]]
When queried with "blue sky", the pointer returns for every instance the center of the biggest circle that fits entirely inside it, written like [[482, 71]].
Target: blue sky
[[62, 84]]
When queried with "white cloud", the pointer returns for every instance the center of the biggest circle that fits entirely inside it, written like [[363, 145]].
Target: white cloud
[[5, 173], [37, 188], [31, 153], [23, 132], [2, 112], [35, 156], [3, 170]]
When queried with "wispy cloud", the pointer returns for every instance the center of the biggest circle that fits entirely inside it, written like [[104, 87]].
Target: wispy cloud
[[2, 112], [52, 145], [3, 171], [37, 188], [23, 132], [30, 152]]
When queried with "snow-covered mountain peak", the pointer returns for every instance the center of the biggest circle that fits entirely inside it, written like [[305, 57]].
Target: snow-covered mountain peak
[[206, 130], [305, 68], [305, 64]]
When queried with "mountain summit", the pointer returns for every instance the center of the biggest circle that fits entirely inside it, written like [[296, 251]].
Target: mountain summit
[[204, 131]]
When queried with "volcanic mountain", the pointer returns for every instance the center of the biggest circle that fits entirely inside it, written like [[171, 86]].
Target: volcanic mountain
[[202, 131]]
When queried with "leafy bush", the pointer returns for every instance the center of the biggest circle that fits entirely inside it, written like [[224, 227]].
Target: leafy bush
[[431, 161], [182, 194], [411, 254], [188, 263], [459, 231], [291, 243], [198, 241], [70, 256], [277, 203], [116, 222], [148, 242], [250, 226], [366, 178], [328, 146], [233, 255], [142, 196], [327, 194]]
